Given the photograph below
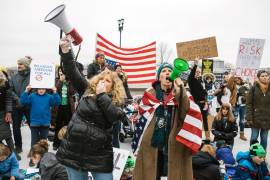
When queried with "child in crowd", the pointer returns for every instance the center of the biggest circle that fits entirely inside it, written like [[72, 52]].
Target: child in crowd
[[9, 165], [224, 126], [251, 164], [49, 167], [40, 104], [40, 114]]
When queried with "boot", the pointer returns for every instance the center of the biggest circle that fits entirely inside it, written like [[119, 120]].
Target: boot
[[242, 136], [207, 135]]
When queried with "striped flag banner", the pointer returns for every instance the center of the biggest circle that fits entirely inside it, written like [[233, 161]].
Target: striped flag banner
[[191, 133], [138, 63]]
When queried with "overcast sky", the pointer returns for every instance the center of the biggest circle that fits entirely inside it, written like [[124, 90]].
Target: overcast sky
[[24, 32]]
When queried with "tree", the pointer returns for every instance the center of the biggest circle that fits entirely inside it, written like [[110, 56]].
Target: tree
[[164, 52]]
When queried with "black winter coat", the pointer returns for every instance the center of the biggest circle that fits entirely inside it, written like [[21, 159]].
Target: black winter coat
[[196, 88], [88, 143], [205, 167], [258, 106], [93, 69], [5, 106], [224, 130]]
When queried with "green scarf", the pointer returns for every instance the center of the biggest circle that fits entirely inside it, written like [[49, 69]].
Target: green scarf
[[163, 115]]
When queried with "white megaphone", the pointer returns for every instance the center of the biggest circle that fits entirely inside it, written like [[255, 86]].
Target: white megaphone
[[58, 17]]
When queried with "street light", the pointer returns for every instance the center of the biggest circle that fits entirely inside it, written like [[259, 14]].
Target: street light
[[120, 27]]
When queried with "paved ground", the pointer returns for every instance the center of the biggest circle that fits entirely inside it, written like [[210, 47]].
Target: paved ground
[[238, 146]]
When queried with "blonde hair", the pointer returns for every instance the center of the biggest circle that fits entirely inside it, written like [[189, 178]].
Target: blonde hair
[[40, 148], [219, 116], [61, 134], [209, 149], [117, 86], [4, 150], [3, 78]]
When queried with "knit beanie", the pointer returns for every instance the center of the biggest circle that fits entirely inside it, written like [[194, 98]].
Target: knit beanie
[[257, 150], [162, 66], [99, 54], [26, 61]]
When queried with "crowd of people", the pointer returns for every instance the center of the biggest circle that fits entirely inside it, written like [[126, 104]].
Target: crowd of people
[[86, 115]]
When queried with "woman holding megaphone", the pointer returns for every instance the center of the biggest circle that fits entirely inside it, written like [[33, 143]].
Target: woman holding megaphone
[[87, 145], [164, 107]]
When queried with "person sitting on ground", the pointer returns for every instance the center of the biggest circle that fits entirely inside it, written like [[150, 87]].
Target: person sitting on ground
[[9, 165], [251, 164], [49, 167], [224, 126], [205, 165]]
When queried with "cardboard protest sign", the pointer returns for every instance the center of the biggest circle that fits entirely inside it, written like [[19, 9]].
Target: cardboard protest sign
[[249, 57], [201, 48], [207, 66], [120, 157], [42, 75]]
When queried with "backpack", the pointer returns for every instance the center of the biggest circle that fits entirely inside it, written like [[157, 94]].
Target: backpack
[[225, 154]]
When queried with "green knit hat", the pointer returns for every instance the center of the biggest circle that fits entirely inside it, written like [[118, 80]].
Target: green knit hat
[[257, 150]]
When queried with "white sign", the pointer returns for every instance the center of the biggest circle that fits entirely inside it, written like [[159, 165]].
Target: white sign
[[42, 75], [120, 157], [249, 57]]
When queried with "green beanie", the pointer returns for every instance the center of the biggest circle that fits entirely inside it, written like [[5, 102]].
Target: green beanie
[[257, 150]]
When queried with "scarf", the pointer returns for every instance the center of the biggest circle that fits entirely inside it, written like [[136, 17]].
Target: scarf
[[163, 116]]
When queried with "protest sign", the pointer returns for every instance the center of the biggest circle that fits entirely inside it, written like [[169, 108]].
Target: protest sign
[[207, 66], [42, 75], [120, 157], [249, 57], [201, 48]]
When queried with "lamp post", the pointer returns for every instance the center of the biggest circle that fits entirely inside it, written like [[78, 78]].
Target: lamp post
[[120, 27]]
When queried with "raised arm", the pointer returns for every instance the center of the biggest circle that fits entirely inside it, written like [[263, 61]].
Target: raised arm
[[77, 80]]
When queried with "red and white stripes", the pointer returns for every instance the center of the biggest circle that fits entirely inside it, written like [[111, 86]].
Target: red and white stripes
[[191, 133]]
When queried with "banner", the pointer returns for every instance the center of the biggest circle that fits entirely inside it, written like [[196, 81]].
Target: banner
[[249, 57], [42, 75], [120, 157], [201, 48], [207, 66]]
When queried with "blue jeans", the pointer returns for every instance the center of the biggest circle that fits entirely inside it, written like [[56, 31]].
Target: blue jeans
[[241, 112], [38, 133], [263, 133], [74, 174]]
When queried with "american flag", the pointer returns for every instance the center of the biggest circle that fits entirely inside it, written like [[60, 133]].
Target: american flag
[[191, 133], [138, 63], [147, 108]]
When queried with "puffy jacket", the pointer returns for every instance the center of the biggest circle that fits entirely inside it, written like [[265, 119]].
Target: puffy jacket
[[88, 142], [205, 167], [258, 106], [5, 106], [224, 130], [247, 170], [11, 165], [50, 168]]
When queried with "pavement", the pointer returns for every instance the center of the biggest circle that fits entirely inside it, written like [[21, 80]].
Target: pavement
[[239, 145]]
